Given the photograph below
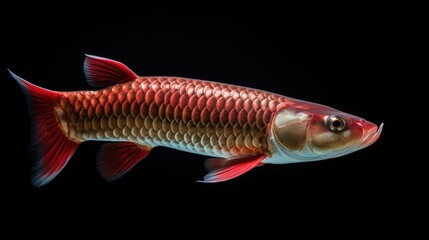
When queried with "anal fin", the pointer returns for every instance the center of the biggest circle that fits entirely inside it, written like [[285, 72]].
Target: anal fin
[[225, 169], [115, 159]]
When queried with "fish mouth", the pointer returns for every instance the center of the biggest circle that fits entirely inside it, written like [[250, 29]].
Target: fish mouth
[[371, 135]]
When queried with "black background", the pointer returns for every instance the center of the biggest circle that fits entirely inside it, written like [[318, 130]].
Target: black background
[[323, 55]]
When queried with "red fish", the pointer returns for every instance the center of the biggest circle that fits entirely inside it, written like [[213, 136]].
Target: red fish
[[239, 127]]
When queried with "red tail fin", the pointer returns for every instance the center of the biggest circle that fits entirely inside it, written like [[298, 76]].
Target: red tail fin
[[51, 149]]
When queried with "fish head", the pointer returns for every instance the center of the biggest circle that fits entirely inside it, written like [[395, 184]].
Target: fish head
[[307, 132]]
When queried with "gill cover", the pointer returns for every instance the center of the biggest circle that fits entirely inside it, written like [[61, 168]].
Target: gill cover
[[290, 128]]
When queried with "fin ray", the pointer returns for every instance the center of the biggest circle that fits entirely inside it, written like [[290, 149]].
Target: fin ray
[[104, 72], [116, 159], [224, 169], [50, 148], [212, 164]]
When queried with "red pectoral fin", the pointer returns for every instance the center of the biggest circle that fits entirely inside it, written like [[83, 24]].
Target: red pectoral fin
[[213, 164], [222, 170], [115, 159]]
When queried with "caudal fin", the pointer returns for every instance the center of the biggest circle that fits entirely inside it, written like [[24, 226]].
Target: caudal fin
[[51, 149]]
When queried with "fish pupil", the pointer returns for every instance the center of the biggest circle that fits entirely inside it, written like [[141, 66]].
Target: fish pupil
[[337, 123]]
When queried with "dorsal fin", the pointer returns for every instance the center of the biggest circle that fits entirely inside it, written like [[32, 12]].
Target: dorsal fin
[[104, 72]]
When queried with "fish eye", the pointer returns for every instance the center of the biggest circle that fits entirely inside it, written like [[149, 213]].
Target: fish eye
[[336, 123]]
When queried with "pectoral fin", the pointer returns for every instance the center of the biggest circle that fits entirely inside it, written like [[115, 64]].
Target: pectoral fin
[[224, 169]]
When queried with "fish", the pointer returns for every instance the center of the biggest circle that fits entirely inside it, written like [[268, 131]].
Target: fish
[[236, 127]]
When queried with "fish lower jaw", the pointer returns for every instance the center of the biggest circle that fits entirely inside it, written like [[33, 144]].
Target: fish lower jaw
[[371, 137]]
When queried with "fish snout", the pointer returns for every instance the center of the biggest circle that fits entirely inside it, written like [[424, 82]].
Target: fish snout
[[371, 132]]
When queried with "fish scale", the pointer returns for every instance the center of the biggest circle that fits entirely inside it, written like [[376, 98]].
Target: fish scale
[[191, 115]]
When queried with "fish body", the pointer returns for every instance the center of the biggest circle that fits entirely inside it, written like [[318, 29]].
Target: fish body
[[239, 127], [208, 118]]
